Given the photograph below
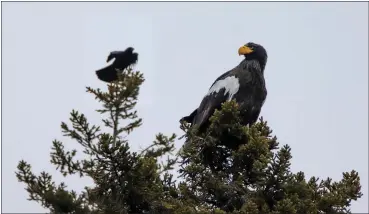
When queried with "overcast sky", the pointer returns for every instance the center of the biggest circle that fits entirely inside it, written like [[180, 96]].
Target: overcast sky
[[316, 76]]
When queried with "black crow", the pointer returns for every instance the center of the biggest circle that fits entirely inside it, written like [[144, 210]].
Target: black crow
[[122, 59]]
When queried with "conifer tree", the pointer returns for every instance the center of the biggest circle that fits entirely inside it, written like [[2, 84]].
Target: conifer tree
[[230, 168]]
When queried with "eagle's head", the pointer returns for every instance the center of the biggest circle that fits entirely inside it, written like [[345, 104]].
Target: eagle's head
[[253, 51]]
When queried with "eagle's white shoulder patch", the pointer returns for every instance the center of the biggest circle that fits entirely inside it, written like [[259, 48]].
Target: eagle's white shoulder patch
[[231, 85]]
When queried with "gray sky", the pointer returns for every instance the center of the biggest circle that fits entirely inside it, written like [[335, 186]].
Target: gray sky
[[316, 75]]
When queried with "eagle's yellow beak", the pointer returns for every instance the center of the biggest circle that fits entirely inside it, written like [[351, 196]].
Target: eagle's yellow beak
[[244, 50]]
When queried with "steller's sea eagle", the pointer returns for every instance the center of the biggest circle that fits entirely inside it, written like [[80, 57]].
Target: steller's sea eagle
[[122, 59], [245, 83]]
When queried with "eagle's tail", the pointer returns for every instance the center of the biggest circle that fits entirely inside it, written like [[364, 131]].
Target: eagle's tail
[[107, 74]]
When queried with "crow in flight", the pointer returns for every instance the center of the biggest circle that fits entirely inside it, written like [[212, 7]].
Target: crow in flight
[[122, 59]]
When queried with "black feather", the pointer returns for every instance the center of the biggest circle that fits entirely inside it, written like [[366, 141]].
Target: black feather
[[107, 74], [189, 118], [123, 59]]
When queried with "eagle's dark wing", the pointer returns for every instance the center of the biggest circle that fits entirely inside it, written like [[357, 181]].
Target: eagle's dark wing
[[207, 108], [223, 88], [190, 117], [223, 76]]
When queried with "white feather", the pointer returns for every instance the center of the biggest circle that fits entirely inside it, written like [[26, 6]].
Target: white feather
[[230, 84]]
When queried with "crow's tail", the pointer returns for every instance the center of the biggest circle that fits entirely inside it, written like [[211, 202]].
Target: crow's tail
[[107, 74]]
